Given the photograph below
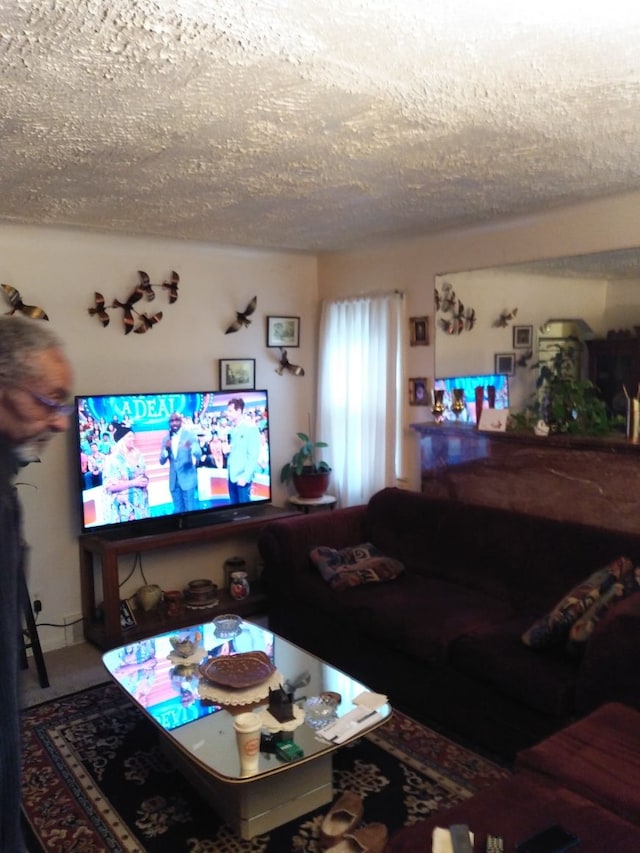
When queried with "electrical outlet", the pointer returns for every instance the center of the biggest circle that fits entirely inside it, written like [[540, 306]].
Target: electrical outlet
[[37, 605], [73, 633]]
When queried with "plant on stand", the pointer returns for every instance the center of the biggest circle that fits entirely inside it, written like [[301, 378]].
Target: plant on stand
[[309, 475]]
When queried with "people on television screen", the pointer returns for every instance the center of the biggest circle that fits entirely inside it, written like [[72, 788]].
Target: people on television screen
[[181, 448], [243, 450], [125, 479]]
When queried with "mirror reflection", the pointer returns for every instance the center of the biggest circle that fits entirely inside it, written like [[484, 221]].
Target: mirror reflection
[[505, 319]]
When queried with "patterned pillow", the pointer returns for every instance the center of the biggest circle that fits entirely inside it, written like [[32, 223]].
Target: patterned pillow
[[553, 628], [351, 567], [586, 624]]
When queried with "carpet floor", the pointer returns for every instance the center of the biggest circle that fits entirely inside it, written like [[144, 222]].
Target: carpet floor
[[94, 780]]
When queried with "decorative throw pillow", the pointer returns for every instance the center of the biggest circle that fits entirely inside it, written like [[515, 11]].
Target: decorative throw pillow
[[553, 628], [586, 624], [351, 567]]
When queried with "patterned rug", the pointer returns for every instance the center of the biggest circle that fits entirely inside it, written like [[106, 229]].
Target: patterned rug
[[94, 780]]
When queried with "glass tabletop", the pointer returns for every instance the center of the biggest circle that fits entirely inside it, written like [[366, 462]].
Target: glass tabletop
[[171, 691]]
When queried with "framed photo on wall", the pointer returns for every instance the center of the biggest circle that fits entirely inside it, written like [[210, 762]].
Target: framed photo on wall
[[505, 362], [419, 331], [237, 374], [283, 331], [419, 394], [522, 337]]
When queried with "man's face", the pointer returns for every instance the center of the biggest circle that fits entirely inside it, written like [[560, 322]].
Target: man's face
[[175, 422], [232, 414], [26, 420]]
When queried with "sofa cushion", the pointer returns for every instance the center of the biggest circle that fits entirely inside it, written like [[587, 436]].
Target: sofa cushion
[[542, 680], [349, 567], [553, 627], [418, 616], [596, 757]]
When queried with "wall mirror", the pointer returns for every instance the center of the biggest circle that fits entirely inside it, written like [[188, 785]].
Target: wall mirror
[[506, 318]]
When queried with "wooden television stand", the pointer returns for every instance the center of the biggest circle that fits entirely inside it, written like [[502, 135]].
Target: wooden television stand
[[103, 628]]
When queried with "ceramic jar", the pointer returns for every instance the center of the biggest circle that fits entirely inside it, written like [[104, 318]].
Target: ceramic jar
[[239, 585], [149, 596]]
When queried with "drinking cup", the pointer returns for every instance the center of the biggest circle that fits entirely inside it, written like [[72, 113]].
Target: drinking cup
[[247, 728]]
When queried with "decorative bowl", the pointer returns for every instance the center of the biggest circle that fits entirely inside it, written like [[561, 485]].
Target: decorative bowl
[[227, 626], [319, 711]]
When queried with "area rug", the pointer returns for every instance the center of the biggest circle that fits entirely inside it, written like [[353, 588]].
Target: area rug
[[94, 780]]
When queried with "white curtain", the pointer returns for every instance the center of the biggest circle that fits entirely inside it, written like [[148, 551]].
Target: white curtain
[[360, 393]]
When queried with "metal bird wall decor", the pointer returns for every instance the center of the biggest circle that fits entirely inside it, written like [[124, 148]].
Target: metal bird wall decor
[[242, 317], [505, 318], [285, 364], [524, 359], [134, 320], [15, 300], [457, 318]]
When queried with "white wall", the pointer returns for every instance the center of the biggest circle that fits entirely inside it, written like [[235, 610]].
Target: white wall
[[59, 270], [412, 264]]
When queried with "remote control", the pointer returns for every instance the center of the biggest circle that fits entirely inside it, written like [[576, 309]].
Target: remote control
[[460, 840]]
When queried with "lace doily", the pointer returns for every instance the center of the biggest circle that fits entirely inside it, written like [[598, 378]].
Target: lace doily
[[238, 698]]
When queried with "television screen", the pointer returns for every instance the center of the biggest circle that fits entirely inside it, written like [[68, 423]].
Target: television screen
[[157, 461], [469, 384]]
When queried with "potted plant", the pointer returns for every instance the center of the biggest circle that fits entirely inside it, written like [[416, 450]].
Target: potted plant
[[309, 475], [566, 404]]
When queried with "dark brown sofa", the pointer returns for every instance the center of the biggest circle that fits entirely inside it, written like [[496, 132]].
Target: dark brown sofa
[[443, 640]]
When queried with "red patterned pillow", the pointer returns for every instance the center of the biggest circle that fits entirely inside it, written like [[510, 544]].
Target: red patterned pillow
[[351, 567], [553, 628]]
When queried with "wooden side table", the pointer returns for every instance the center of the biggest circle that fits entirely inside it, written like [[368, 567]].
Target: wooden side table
[[305, 504]]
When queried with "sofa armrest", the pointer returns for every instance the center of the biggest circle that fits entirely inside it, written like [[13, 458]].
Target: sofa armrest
[[608, 671], [285, 545]]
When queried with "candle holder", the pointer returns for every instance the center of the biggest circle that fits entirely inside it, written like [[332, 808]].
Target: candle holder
[[457, 404], [437, 410]]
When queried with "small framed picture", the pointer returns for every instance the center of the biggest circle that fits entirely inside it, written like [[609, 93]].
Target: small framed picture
[[283, 331], [419, 331], [237, 374], [522, 337], [127, 619], [505, 363], [419, 394]]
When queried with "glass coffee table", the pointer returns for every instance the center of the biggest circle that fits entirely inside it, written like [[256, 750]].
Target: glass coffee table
[[194, 718]]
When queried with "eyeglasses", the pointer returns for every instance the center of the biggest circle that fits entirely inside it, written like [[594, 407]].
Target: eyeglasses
[[55, 408]]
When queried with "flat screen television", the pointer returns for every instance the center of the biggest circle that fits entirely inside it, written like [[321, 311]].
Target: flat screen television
[[469, 384], [135, 476]]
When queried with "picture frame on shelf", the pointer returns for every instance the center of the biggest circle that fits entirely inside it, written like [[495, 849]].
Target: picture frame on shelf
[[505, 363], [283, 331], [127, 619], [237, 374], [419, 394], [522, 337], [419, 331]]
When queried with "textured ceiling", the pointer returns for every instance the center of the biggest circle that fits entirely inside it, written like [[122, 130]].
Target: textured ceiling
[[312, 124]]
